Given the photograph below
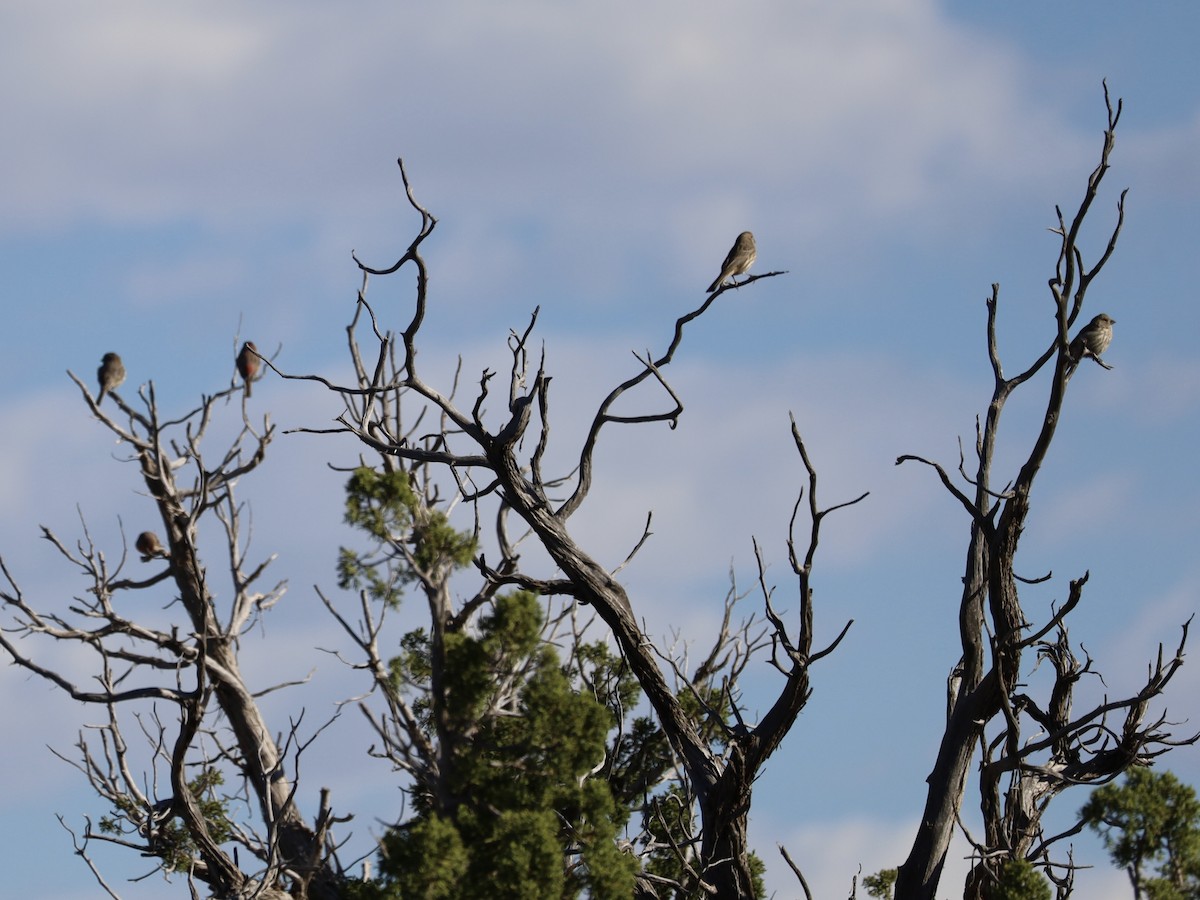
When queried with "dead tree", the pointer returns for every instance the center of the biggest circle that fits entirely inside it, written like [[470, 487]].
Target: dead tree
[[988, 708], [504, 464], [417, 692], [192, 722]]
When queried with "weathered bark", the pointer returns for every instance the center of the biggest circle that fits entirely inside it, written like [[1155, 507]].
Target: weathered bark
[[282, 846], [497, 458], [995, 631], [260, 760]]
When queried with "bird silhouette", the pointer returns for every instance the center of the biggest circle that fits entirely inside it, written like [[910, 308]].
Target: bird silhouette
[[741, 257], [147, 544], [1092, 340], [247, 363], [111, 374]]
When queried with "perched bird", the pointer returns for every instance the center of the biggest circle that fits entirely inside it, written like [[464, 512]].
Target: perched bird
[[111, 374], [247, 363], [147, 544], [1092, 340], [740, 258]]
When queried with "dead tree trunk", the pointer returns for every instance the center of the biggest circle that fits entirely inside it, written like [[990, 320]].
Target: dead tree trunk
[[508, 460], [282, 848], [986, 707]]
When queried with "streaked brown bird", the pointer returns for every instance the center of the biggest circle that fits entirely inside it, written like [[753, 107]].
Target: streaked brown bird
[[111, 374], [1092, 340], [147, 544], [741, 257], [247, 363]]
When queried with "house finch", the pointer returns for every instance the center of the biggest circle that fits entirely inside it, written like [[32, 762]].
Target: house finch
[[740, 258], [247, 363], [1092, 340], [147, 544], [111, 374]]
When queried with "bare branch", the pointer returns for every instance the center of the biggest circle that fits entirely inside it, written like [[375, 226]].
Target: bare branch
[[796, 871]]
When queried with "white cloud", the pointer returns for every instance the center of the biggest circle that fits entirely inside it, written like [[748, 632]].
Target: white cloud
[[832, 853], [595, 161], [145, 113]]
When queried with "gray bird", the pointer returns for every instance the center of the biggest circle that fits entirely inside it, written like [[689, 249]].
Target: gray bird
[[147, 544], [741, 257], [1092, 339], [111, 374], [247, 364]]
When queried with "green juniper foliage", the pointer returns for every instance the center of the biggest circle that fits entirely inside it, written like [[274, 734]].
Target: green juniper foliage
[[389, 510], [516, 817], [1151, 828], [880, 884], [170, 839], [1019, 880], [541, 769], [510, 812], [540, 764]]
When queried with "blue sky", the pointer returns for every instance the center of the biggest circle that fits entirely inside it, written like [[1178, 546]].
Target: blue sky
[[175, 173]]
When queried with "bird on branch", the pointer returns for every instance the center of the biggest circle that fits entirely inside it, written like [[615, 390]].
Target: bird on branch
[[1092, 340], [741, 257]]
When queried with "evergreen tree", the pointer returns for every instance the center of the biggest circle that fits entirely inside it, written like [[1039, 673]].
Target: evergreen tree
[[1151, 827], [527, 798], [880, 884], [1019, 880]]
